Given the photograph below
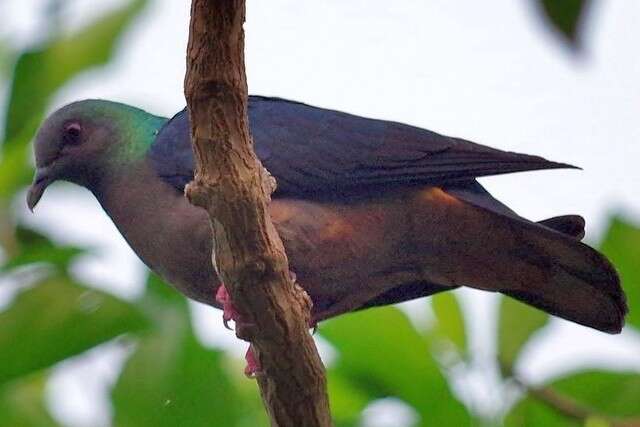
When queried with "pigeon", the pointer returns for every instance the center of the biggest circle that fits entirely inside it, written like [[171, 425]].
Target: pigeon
[[370, 212]]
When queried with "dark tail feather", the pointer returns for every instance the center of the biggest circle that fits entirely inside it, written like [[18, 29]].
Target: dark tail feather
[[551, 270], [474, 193], [571, 225], [584, 286]]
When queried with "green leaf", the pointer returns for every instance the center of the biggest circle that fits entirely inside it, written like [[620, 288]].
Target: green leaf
[[596, 422], [5, 59], [565, 17], [58, 319], [22, 403], [15, 171], [35, 247], [171, 379], [40, 72], [517, 323], [253, 412], [608, 394], [533, 413], [450, 320], [622, 246], [383, 355], [346, 400]]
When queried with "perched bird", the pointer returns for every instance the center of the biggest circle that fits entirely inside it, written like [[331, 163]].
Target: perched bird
[[371, 212]]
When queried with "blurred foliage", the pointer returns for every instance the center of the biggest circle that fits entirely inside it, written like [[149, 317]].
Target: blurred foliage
[[33, 247], [517, 324], [449, 322], [170, 378], [605, 395], [566, 17], [622, 246], [369, 340], [80, 319], [5, 55], [22, 403], [39, 73]]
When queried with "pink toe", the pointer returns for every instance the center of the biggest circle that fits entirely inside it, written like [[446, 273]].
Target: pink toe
[[229, 312], [253, 365], [222, 296]]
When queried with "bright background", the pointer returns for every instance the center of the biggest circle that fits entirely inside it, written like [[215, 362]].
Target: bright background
[[491, 72]]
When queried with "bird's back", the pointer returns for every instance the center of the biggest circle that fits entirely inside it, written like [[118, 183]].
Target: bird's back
[[315, 153]]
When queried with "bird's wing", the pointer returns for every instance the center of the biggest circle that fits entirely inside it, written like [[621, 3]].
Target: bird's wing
[[171, 154], [313, 151]]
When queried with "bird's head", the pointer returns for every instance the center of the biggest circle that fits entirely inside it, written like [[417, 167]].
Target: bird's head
[[78, 143]]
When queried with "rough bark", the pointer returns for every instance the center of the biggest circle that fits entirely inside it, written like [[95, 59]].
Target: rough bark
[[234, 188]]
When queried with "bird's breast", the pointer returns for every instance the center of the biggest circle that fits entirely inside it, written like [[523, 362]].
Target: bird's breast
[[342, 249]]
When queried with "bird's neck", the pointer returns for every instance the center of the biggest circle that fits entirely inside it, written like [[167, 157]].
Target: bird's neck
[[137, 134], [169, 234], [118, 178], [134, 199]]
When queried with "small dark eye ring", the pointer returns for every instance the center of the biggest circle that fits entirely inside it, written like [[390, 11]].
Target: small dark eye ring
[[72, 133]]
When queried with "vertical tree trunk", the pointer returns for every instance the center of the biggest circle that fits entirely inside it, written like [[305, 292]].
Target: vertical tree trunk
[[234, 188]]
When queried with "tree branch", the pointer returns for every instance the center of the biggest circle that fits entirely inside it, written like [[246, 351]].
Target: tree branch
[[233, 187], [568, 407]]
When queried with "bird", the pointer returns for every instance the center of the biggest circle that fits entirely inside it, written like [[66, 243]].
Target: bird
[[371, 212]]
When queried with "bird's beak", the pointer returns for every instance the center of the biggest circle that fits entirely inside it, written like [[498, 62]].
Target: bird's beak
[[41, 181]]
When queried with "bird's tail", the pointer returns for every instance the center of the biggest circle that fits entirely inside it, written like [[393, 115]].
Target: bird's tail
[[582, 284], [571, 225], [542, 264]]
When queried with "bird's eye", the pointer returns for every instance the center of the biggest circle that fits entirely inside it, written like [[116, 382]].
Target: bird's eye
[[71, 134]]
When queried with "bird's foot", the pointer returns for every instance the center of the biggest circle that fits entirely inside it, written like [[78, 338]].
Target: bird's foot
[[243, 329], [253, 368], [229, 312]]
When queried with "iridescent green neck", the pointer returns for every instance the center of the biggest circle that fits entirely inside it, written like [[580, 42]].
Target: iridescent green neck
[[136, 129], [139, 131]]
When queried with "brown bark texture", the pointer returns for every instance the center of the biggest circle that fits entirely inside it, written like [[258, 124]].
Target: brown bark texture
[[231, 184]]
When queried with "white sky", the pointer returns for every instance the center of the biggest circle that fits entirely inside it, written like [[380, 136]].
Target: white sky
[[485, 71]]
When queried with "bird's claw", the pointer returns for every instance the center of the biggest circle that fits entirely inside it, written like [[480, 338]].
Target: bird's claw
[[228, 310]]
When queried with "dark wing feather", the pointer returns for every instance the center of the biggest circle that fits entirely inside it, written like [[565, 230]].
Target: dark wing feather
[[316, 151], [171, 154]]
